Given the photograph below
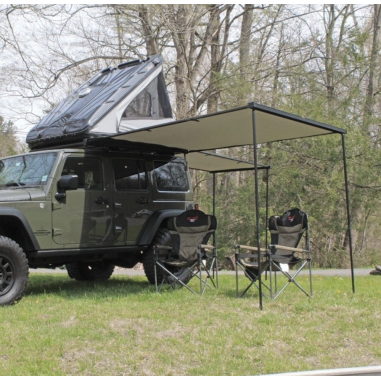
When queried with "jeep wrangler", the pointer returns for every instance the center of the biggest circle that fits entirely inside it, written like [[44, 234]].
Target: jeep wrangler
[[87, 210]]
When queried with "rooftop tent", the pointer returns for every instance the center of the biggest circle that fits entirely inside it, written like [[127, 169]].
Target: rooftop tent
[[121, 99]]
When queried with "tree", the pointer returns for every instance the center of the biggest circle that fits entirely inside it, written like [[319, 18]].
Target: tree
[[8, 141]]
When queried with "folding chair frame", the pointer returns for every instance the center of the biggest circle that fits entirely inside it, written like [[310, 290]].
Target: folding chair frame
[[252, 278], [274, 267], [195, 268]]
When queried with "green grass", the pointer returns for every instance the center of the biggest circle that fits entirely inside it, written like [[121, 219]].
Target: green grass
[[123, 327]]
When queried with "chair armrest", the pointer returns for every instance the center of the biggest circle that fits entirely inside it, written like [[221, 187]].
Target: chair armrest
[[162, 247], [208, 247], [289, 248], [251, 248]]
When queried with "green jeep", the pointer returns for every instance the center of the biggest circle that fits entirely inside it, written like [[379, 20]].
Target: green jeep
[[86, 209], [91, 207]]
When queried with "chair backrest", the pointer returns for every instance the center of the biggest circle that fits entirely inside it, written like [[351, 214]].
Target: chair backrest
[[287, 230], [188, 230]]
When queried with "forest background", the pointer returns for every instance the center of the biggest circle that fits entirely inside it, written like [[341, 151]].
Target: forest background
[[317, 61]]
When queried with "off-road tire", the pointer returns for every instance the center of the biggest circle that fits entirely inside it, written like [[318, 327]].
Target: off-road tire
[[90, 271], [14, 272], [162, 237]]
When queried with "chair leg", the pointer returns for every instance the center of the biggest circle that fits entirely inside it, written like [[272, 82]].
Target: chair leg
[[200, 269], [252, 282], [156, 258], [212, 266], [273, 278], [166, 272], [215, 268], [236, 272], [203, 265], [238, 265], [310, 273], [291, 279]]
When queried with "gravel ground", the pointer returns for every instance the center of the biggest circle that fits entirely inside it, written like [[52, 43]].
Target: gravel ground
[[132, 272]]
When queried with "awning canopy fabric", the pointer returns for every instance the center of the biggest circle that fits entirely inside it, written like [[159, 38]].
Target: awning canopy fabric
[[232, 128], [214, 163]]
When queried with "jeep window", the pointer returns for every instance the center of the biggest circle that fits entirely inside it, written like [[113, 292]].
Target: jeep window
[[129, 174], [26, 170], [171, 176], [88, 170]]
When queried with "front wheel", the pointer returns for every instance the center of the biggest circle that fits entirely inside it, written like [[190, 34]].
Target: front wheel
[[162, 237], [90, 271], [14, 272]]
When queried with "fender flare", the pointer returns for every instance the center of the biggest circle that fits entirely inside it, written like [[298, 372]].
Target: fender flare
[[154, 223], [21, 220]]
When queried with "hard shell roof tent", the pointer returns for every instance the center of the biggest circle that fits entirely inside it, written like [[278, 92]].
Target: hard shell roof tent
[[128, 97]]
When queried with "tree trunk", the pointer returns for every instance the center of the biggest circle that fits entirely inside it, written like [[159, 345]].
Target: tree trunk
[[212, 103], [373, 64], [150, 41], [181, 34], [244, 44]]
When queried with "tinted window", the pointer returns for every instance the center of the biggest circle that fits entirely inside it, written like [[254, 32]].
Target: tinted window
[[88, 170], [170, 176], [26, 169], [129, 174]]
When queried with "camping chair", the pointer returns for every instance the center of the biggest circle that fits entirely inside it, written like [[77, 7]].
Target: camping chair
[[286, 233], [190, 252]]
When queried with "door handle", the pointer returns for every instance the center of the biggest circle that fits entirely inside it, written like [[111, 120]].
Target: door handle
[[142, 200], [102, 201]]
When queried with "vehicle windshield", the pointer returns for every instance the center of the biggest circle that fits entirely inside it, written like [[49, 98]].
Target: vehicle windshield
[[26, 170]]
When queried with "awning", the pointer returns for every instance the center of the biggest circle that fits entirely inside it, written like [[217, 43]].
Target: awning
[[252, 124], [231, 128]]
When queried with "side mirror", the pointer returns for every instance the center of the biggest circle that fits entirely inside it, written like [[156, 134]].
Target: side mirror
[[66, 182]]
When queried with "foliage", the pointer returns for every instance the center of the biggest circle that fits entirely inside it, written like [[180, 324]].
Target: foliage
[[8, 141]]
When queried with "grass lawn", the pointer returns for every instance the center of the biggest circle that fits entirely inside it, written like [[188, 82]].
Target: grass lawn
[[123, 327]]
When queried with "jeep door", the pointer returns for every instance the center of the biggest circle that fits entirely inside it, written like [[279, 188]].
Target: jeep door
[[84, 216], [132, 198]]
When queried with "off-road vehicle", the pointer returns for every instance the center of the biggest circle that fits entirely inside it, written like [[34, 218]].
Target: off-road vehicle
[[91, 207]]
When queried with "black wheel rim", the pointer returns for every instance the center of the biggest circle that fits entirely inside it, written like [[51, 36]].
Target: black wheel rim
[[7, 277]]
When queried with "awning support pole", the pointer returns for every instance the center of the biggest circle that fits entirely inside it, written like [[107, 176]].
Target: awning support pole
[[348, 213], [257, 209], [214, 214], [214, 194], [267, 205]]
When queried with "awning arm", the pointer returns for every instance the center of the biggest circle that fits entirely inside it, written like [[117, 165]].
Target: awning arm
[[256, 106]]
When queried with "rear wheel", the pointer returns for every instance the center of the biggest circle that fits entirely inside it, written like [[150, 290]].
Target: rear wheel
[[163, 237], [14, 272], [90, 271]]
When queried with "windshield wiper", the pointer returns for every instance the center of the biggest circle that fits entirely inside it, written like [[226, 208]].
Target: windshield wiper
[[14, 184]]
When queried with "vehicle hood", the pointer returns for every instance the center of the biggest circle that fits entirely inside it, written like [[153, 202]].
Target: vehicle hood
[[20, 194], [130, 96]]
